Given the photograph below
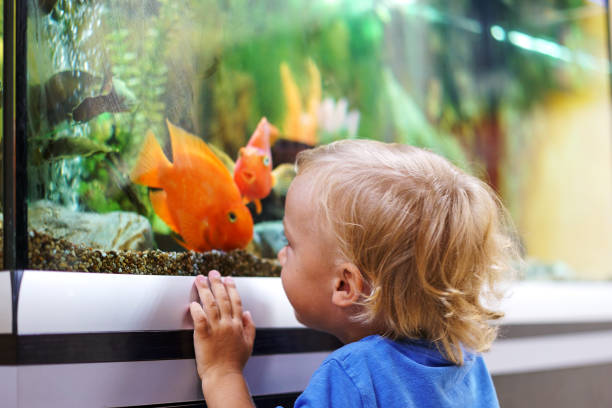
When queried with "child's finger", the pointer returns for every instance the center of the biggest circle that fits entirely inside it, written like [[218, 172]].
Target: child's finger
[[200, 322], [234, 297], [206, 297], [218, 289], [249, 326]]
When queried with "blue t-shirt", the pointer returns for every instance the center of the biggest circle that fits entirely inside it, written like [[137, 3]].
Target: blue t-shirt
[[379, 372]]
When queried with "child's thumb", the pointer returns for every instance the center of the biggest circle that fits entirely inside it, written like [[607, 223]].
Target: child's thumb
[[249, 326]]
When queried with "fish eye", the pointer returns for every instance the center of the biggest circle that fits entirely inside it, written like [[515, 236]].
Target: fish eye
[[232, 216], [266, 160]]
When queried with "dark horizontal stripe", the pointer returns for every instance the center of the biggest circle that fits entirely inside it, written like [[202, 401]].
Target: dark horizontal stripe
[[70, 348], [513, 331], [142, 346], [261, 401], [283, 341], [8, 349], [104, 347]]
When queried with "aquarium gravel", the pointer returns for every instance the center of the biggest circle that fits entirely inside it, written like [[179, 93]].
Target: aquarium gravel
[[48, 253]]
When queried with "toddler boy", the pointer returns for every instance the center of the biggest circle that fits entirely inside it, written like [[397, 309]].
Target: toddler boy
[[391, 249]]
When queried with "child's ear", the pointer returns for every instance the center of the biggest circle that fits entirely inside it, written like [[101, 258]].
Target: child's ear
[[348, 285]]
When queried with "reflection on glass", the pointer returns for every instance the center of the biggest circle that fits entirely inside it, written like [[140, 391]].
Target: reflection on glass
[[136, 107]]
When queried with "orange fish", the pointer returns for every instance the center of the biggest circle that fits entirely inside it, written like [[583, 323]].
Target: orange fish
[[301, 125], [197, 197], [253, 170]]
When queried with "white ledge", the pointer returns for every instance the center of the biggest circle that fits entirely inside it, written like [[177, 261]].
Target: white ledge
[[69, 302], [540, 302]]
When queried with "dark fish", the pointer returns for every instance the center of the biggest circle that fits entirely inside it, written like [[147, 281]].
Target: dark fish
[[55, 99], [67, 95], [213, 67], [117, 99], [46, 5], [68, 147]]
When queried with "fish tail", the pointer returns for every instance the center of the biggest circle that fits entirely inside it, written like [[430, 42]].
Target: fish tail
[[149, 163]]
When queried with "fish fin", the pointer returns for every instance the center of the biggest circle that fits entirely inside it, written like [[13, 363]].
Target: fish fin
[[224, 157], [272, 180], [150, 160], [257, 206], [261, 136], [182, 243], [185, 144], [293, 102], [159, 201]]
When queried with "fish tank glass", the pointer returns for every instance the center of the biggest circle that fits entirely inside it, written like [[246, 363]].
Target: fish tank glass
[[161, 134]]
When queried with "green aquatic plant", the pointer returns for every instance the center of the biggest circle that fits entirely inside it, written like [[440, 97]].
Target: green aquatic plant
[[136, 44], [410, 126], [134, 55], [105, 185], [232, 104]]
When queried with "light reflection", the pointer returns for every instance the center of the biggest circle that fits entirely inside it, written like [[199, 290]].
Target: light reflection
[[548, 48], [498, 33]]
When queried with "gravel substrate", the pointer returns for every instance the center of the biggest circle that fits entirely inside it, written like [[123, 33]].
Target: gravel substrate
[[48, 253]]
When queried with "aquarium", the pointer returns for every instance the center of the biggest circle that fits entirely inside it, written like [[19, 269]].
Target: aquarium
[[147, 141], [146, 119]]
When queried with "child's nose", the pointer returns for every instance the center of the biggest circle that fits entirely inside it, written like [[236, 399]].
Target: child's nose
[[282, 256]]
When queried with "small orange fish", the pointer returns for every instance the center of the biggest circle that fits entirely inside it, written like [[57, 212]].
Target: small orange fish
[[197, 197], [253, 170]]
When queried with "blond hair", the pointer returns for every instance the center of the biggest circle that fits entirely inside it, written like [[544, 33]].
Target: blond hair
[[430, 240]]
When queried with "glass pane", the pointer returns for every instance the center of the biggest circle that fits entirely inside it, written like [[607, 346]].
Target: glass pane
[[514, 91]]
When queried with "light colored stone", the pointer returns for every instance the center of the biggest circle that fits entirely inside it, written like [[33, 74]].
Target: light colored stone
[[269, 238], [117, 230]]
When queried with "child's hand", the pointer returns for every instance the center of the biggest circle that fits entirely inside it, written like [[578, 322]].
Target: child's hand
[[223, 334]]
